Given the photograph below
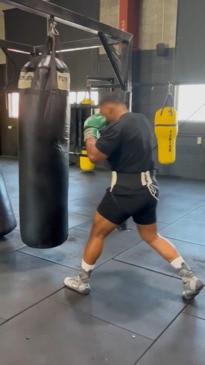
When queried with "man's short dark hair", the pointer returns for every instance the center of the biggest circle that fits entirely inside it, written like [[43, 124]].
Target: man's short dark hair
[[111, 98]]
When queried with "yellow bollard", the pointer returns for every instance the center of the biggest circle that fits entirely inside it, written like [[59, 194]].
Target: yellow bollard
[[87, 102], [85, 164], [166, 131]]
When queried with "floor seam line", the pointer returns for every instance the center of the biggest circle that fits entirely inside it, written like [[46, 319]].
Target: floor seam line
[[31, 306], [165, 329]]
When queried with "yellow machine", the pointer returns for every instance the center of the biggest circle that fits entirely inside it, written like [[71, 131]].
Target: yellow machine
[[87, 102], [166, 131], [85, 163]]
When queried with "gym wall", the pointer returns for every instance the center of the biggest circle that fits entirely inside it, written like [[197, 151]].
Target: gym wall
[[190, 48], [2, 33], [179, 24], [2, 99], [2, 30], [164, 22], [2, 71], [189, 68], [109, 14], [24, 28], [152, 73]]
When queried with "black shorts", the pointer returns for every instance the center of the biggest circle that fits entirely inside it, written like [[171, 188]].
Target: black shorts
[[141, 206]]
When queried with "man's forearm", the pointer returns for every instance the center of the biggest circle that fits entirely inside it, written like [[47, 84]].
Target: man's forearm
[[90, 147], [94, 154]]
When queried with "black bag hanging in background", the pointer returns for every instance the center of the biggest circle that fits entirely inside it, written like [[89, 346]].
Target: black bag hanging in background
[[7, 218], [44, 121]]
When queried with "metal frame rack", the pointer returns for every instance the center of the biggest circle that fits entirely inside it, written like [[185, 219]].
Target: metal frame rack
[[117, 43]]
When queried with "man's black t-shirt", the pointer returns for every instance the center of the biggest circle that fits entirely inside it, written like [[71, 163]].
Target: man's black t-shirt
[[128, 143]]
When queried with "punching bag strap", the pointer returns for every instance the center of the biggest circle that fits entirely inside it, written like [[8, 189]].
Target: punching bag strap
[[53, 36], [169, 100], [52, 27]]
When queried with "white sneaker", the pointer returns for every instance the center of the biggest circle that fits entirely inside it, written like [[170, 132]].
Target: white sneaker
[[192, 287], [191, 283], [79, 283]]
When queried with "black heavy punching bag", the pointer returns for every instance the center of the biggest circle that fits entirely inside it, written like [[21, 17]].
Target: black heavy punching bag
[[44, 120], [7, 218]]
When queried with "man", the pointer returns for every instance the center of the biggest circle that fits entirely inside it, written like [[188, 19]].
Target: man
[[126, 142]]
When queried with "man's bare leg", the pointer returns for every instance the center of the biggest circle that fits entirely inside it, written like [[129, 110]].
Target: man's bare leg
[[100, 230], [163, 247], [192, 285]]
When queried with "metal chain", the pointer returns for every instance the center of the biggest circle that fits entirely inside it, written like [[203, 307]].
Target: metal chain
[[52, 32], [170, 88]]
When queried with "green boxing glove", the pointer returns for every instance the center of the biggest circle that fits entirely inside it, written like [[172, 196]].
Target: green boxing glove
[[93, 125]]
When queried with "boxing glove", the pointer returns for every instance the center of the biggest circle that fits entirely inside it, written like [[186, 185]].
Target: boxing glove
[[93, 125]]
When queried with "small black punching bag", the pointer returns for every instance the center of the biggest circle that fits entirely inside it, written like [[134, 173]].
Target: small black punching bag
[[7, 218], [44, 121]]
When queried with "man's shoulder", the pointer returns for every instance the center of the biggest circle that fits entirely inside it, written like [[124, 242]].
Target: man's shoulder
[[131, 115], [111, 125]]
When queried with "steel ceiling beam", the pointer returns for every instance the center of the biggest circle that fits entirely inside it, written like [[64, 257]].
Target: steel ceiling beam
[[79, 44], [88, 43], [68, 17], [15, 46], [122, 66]]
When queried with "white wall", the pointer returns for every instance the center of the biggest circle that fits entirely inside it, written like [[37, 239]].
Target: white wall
[[2, 30]]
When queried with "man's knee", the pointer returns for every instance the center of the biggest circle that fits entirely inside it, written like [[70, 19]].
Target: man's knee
[[148, 233], [150, 239], [101, 226]]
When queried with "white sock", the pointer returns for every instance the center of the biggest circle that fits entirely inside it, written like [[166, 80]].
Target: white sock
[[87, 267], [177, 263]]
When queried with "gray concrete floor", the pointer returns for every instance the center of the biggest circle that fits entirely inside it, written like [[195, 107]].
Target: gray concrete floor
[[134, 314]]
